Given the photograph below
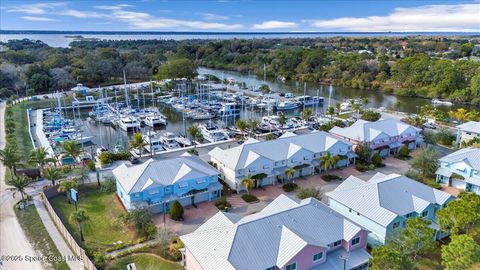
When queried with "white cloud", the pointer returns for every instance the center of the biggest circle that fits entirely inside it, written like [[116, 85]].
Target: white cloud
[[429, 18], [80, 14], [38, 8], [38, 19], [274, 25], [213, 17]]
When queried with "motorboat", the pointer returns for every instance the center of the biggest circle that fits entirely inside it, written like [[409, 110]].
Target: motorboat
[[287, 105], [154, 120], [308, 100], [165, 98], [154, 143], [183, 141], [229, 109], [345, 106], [128, 123], [201, 115], [212, 133], [169, 141], [441, 102]]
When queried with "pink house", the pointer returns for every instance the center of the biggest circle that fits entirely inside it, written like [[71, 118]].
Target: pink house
[[287, 234]]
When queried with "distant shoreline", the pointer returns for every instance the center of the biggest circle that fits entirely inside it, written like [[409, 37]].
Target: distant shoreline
[[49, 32]]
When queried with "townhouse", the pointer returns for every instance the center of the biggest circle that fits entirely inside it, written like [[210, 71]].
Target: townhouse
[[383, 204], [287, 234], [157, 183], [273, 158], [468, 131], [386, 136], [461, 169]]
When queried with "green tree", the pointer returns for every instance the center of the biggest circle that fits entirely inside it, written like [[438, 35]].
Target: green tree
[[10, 157], [137, 142], [65, 187], [417, 237], [429, 137], [331, 111], [141, 219], [80, 217], [194, 132], [252, 124], [242, 126], [176, 211], [72, 149], [338, 107], [176, 69], [461, 215], [364, 152], [377, 160], [404, 151], [270, 137], [265, 89], [388, 258], [83, 175], [444, 136], [40, 157], [282, 119], [369, 115], [289, 173], [52, 174], [19, 184], [309, 192], [248, 183], [329, 161], [425, 161], [461, 253], [307, 113]]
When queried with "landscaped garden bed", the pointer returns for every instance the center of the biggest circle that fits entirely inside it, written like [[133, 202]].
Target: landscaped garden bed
[[289, 187], [331, 177], [249, 198]]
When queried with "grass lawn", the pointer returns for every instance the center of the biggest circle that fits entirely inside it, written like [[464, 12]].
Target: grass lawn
[[103, 228], [38, 236], [22, 136], [143, 262]]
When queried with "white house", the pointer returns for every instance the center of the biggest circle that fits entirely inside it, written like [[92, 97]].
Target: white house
[[386, 136], [272, 158], [384, 203], [287, 234], [461, 169], [468, 131]]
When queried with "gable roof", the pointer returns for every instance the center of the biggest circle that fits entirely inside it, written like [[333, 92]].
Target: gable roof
[[470, 155], [384, 197], [271, 237], [285, 147], [363, 130], [471, 126], [162, 172]]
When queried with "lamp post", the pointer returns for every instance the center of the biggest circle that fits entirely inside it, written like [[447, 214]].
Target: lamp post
[[344, 258]]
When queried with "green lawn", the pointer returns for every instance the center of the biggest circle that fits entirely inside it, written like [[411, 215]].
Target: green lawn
[[103, 228], [38, 236], [22, 136], [143, 262]]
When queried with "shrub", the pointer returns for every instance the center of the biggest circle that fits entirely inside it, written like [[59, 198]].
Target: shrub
[[377, 160], [193, 152], [109, 185], [249, 198], [270, 137], [404, 152], [361, 167], [222, 204], [289, 187], [445, 137], [176, 211], [433, 184], [213, 164], [66, 169], [330, 177], [105, 158], [90, 165], [370, 116], [311, 192]]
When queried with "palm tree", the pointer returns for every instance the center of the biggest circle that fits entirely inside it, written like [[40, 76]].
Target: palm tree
[[79, 217], [65, 187], [252, 124], [40, 157], [331, 111], [329, 161], [289, 173], [365, 102], [248, 183], [72, 149], [338, 106], [397, 105], [10, 158], [52, 174], [19, 183], [194, 132], [356, 108], [307, 113], [242, 126], [282, 119], [137, 142]]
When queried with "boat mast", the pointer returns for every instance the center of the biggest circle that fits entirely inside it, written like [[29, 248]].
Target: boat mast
[[125, 87]]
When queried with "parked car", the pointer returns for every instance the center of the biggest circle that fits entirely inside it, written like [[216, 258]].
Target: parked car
[[134, 160]]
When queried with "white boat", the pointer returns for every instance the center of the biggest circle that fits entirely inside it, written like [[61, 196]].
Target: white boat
[[165, 98], [287, 105], [168, 140], [441, 102], [183, 141], [308, 100], [154, 142], [201, 115], [211, 133], [345, 106], [128, 123], [229, 110], [155, 120]]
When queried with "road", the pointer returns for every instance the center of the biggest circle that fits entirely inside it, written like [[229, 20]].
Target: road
[[12, 238]]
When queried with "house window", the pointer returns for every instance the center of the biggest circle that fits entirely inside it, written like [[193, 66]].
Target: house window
[[183, 185], [425, 213], [271, 268], [201, 181], [395, 225], [251, 169], [266, 166], [409, 215], [350, 210], [292, 266], [355, 241], [337, 243], [317, 257]]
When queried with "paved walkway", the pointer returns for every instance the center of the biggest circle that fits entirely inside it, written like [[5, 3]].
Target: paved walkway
[[12, 238], [57, 238]]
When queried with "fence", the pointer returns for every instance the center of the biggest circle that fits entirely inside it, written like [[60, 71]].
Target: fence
[[66, 235]]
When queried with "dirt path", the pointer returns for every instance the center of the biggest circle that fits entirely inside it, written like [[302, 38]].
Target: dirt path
[[12, 238]]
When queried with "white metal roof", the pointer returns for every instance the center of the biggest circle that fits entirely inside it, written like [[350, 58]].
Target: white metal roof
[[162, 172], [470, 155], [385, 197], [270, 237], [276, 150], [363, 130], [471, 126]]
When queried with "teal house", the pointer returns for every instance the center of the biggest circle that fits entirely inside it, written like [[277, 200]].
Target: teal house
[[155, 184]]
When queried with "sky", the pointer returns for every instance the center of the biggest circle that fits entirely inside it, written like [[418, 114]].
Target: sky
[[243, 16]]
